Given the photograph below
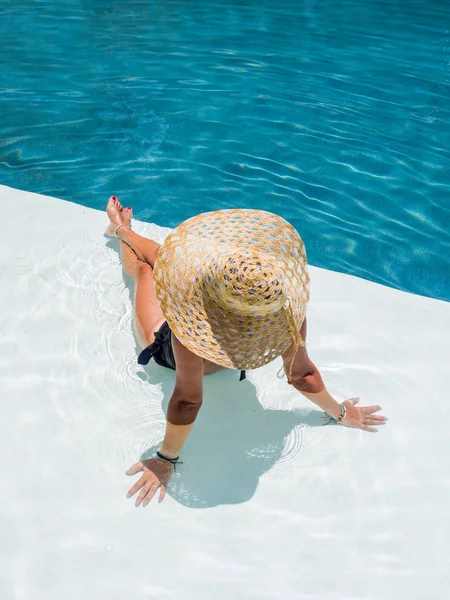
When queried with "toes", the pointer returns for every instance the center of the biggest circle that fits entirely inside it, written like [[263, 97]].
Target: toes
[[114, 200], [127, 215]]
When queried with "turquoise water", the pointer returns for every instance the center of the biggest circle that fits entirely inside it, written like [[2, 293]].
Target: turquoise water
[[334, 114]]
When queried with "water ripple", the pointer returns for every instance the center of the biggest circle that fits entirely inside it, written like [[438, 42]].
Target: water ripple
[[337, 118]]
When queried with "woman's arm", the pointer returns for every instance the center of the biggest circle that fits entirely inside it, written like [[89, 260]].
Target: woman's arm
[[183, 408], [306, 378], [186, 399]]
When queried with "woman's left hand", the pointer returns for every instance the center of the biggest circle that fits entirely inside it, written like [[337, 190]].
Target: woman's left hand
[[362, 418]]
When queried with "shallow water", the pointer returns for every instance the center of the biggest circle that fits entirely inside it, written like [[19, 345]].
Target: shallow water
[[268, 504], [333, 114]]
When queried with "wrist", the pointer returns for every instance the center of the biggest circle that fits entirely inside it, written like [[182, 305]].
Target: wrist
[[166, 459], [335, 412], [342, 414], [169, 452]]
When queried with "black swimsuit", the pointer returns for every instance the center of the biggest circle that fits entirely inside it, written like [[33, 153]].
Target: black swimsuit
[[161, 350]]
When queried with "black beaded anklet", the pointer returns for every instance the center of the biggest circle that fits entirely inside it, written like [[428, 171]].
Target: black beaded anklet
[[172, 461]]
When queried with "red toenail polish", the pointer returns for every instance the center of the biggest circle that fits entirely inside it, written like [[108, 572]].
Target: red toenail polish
[[114, 198], [129, 208]]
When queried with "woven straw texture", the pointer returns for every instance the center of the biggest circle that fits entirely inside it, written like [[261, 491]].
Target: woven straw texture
[[233, 286]]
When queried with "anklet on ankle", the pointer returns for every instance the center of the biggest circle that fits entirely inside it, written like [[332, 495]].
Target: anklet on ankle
[[118, 227]]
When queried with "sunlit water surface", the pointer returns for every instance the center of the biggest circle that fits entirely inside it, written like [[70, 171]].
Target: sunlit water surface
[[333, 114]]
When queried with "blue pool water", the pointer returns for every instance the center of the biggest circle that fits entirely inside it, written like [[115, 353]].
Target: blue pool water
[[332, 113]]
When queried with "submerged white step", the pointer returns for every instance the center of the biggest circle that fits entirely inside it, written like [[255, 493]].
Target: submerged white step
[[268, 503]]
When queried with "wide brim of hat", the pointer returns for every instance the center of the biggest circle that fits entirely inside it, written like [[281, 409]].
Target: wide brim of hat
[[221, 336]]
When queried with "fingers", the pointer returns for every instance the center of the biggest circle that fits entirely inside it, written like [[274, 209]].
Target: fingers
[[148, 490], [135, 469], [144, 492], [374, 421], [367, 412], [367, 428], [156, 474], [162, 493], [354, 400], [370, 409], [151, 492], [375, 418], [147, 493], [137, 486]]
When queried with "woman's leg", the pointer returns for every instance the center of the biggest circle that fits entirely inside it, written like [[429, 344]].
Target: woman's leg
[[147, 315], [145, 249]]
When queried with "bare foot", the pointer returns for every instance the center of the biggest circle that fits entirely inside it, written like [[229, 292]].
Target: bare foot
[[117, 215], [127, 215]]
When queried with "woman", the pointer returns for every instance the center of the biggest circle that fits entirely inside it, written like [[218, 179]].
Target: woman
[[227, 289]]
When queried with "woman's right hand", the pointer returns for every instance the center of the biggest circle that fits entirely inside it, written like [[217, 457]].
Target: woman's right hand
[[156, 473]]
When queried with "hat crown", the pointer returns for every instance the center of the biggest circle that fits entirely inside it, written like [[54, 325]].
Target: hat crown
[[245, 282], [239, 314]]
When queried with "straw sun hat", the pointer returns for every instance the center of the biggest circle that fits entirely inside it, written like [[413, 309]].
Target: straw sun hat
[[233, 286]]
